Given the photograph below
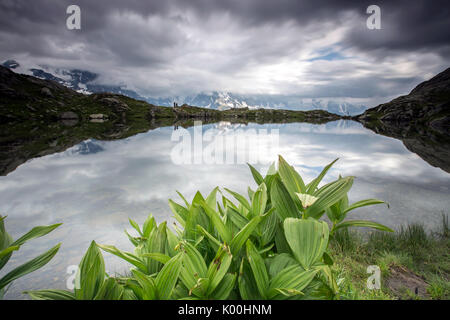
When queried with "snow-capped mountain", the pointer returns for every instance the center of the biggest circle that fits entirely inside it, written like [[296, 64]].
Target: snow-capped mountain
[[79, 80], [226, 100], [87, 82]]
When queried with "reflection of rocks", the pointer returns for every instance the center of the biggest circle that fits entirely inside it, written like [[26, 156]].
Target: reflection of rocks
[[432, 146], [88, 147], [69, 118], [421, 120], [101, 120], [69, 122], [98, 118], [68, 115]]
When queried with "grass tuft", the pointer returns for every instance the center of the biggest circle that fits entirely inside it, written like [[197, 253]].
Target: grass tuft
[[411, 247]]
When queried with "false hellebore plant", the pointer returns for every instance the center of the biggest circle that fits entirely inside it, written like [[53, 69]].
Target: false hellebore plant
[[270, 245], [8, 246]]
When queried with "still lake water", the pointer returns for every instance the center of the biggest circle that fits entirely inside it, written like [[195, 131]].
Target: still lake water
[[94, 187]]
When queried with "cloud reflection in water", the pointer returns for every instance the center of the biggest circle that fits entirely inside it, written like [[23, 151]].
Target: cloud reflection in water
[[94, 193]]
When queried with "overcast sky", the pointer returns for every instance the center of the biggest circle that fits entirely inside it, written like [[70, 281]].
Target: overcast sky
[[169, 47]]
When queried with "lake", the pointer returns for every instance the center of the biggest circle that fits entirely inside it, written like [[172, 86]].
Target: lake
[[95, 186]]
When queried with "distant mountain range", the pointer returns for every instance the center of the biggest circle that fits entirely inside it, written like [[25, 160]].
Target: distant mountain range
[[85, 82]]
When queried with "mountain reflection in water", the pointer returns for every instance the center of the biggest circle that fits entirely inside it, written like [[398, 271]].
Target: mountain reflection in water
[[94, 187]]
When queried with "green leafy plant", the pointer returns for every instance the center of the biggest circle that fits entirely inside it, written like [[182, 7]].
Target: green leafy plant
[[8, 246], [269, 245], [293, 198], [91, 282]]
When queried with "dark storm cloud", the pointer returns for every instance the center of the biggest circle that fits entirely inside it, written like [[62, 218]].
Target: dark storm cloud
[[407, 26], [182, 46]]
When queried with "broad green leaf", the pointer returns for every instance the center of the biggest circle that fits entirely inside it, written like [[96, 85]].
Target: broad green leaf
[[227, 203], [184, 199], [127, 256], [329, 195], [258, 268], [315, 183], [180, 212], [110, 290], [50, 295], [292, 278], [194, 267], [200, 288], [271, 171], [224, 289], [362, 223], [280, 239], [218, 223], [149, 225], [133, 240], [250, 193], [282, 201], [363, 203], [160, 257], [128, 294], [242, 236], [259, 200], [279, 262], [218, 267], [156, 243], [36, 232], [268, 248], [29, 266], [238, 220], [211, 199], [307, 239], [135, 226], [268, 226], [240, 198], [168, 277], [198, 199], [8, 250], [246, 283], [256, 175], [5, 238], [290, 292], [149, 291], [91, 273], [172, 242], [334, 212], [7, 241], [215, 243], [290, 177]]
